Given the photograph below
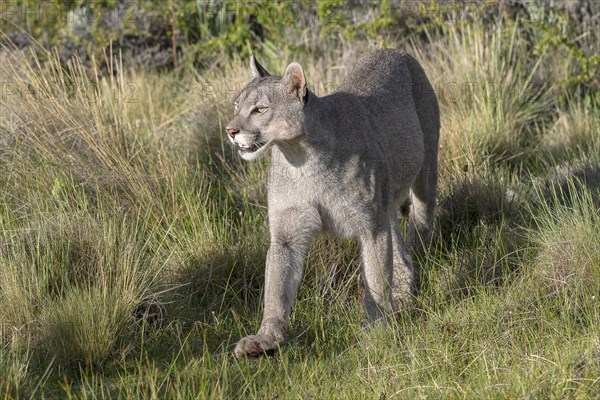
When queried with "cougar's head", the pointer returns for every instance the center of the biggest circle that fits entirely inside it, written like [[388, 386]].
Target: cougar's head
[[268, 111]]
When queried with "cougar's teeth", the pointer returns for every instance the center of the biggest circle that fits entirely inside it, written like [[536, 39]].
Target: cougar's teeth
[[254, 147]]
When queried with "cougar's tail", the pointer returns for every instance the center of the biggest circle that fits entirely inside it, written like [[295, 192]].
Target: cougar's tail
[[423, 191]]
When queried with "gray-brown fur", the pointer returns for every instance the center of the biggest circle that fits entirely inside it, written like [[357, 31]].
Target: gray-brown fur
[[345, 163]]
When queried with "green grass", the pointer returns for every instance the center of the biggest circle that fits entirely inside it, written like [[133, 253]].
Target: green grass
[[132, 240]]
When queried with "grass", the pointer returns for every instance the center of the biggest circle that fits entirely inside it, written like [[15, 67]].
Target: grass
[[133, 239]]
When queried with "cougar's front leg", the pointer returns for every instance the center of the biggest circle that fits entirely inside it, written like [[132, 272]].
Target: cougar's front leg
[[292, 232]]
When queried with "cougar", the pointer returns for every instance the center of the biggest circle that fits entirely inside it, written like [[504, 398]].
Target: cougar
[[346, 163]]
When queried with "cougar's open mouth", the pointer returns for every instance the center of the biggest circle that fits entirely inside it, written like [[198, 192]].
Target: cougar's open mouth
[[251, 152]]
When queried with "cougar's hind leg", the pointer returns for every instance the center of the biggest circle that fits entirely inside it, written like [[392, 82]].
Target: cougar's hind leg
[[377, 251], [422, 209], [403, 286]]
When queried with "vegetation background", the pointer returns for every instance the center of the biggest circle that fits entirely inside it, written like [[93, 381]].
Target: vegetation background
[[132, 238]]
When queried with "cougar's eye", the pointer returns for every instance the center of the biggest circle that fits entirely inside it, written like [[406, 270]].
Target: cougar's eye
[[261, 110]]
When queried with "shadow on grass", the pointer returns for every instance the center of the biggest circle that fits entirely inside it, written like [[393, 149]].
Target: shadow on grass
[[478, 236], [567, 182], [483, 225]]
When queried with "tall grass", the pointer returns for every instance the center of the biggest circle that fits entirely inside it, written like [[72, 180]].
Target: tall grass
[[493, 109], [102, 200], [567, 262]]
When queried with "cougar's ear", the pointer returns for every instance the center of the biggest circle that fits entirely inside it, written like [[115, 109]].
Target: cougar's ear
[[294, 80], [257, 70]]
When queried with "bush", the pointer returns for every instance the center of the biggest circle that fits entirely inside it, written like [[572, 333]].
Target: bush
[[83, 327]]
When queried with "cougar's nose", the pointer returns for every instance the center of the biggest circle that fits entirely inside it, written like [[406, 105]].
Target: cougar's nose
[[231, 132]]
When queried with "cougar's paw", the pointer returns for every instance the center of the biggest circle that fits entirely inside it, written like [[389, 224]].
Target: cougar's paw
[[256, 346]]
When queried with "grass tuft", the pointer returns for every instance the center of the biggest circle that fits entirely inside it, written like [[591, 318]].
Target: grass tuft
[[568, 262]]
